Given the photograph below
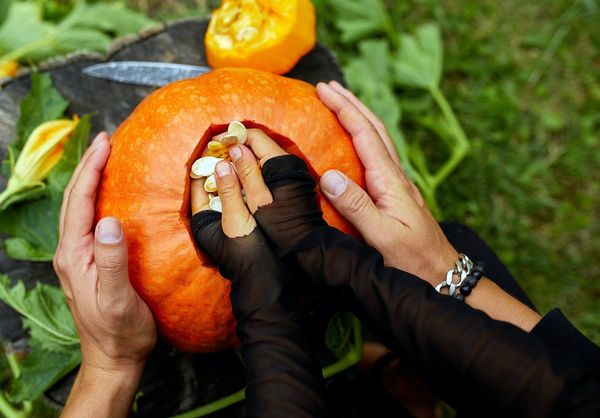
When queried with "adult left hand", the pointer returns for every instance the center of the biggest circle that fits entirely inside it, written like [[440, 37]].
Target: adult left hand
[[116, 327]]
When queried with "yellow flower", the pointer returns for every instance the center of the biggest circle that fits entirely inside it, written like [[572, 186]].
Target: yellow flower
[[9, 69], [42, 151]]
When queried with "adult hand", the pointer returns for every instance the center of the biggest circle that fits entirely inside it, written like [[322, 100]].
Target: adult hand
[[116, 328], [391, 215]]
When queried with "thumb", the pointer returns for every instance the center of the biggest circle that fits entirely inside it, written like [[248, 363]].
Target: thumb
[[110, 254], [351, 201]]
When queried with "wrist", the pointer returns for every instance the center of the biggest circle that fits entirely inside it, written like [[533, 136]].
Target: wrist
[[118, 374]]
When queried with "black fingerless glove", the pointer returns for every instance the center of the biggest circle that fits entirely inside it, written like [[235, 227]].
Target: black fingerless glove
[[283, 376], [479, 366]]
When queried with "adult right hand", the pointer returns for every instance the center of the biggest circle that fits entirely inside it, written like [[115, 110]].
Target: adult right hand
[[392, 216]]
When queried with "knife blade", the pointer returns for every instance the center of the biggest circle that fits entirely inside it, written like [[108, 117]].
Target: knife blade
[[144, 73]]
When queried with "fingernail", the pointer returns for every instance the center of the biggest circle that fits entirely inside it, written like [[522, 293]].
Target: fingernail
[[98, 138], [108, 231], [334, 183], [223, 169], [235, 152], [324, 87], [334, 83]]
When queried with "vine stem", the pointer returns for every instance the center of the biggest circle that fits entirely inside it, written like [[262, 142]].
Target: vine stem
[[461, 146], [18, 53], [7, 409]]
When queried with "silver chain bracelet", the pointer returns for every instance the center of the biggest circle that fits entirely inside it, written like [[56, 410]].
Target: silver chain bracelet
[[462, 269]]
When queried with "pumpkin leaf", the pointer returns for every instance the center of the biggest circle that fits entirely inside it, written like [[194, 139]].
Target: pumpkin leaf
[[40, 370], [23, 26], [4, 6], [54, 344], [358, 19], [419, 59], [338, 334], [45, 314], [25, 36], [112, 18], [370, 76]]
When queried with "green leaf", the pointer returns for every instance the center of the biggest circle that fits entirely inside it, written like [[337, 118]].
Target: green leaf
[[418, 62], [46, 314], [33, 222], [74, 39], [370, 76], [4, 7], [24, 27], [43, 103], [24, 36], [339, 333], [41, 369], [358, 19], [20, 249], [113, 18]]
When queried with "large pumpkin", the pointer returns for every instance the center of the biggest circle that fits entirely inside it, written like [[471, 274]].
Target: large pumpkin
[[146, 186]]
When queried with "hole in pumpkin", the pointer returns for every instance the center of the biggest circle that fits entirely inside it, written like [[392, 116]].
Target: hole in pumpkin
[[287, 144]]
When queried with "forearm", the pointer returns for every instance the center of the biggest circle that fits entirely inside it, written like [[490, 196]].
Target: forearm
[[457, 349], [491, 299], [283, 376], [102, 393]]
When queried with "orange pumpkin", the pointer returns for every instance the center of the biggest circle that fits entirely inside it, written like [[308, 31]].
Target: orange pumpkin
[[146, 185], [268, 35]]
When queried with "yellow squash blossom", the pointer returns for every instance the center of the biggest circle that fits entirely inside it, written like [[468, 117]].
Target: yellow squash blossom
[[9, 69], [42, 151]]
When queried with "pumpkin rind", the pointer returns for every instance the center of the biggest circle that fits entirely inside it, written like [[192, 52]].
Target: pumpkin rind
[[146, 185]]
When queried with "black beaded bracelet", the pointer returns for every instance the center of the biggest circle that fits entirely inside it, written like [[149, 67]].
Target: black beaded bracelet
[[469, 283]]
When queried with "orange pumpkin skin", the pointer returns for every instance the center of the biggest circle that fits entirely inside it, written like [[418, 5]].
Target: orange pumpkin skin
[[146, 185]]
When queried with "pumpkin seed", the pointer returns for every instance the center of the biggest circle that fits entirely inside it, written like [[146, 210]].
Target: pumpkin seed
[[204, 167], [238, 129], [229, 139], [215, 204], [215, 146], [246, 34], [210, 185]]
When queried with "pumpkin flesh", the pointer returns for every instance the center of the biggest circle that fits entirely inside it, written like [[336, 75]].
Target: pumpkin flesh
[[146, 185]]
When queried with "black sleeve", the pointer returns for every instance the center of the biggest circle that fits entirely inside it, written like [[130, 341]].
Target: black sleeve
[[480, 366], [558, 333], [283, 376]]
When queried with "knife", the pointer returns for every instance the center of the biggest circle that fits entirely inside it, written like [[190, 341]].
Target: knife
[[144, 73]]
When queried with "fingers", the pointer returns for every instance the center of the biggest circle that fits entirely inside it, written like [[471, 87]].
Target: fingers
[[375, 121], [199, 196], [249, 173], [236, 220], [110, 256], [263, 147], [101, 137], [79, 207], [367, 143], [352, 202]]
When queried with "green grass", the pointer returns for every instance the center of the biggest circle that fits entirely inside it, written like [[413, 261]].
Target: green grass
[[524, 80]]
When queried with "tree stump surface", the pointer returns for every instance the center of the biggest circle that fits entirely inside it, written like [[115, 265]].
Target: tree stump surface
[[173, 382]]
